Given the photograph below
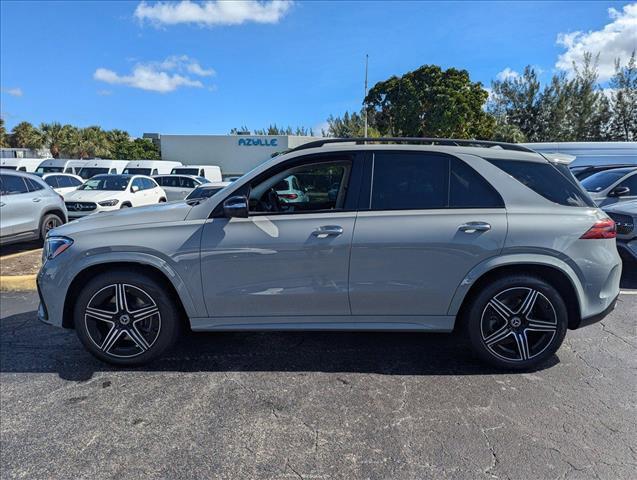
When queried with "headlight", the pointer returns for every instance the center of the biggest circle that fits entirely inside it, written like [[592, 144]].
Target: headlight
[[108, 203], [53, 246]]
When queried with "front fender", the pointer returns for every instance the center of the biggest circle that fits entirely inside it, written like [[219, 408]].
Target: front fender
[[492, 263]]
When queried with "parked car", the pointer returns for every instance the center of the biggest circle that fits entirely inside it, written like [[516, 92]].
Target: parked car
[[612, 186], [289, 190], [177, 187], [211, 172], [28, 208], [422, 238], [104, 193], [100, 167], [207, 190], [150, 167], [56, 165], [20, 164], [62, 183], [584, 171], [625, 216]]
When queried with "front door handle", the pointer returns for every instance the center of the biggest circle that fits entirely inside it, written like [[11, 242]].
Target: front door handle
[[37, 199], [472, 227], [328, 231], [2, 204]]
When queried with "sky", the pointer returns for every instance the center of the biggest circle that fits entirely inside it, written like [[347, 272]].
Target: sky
[[206, 67]]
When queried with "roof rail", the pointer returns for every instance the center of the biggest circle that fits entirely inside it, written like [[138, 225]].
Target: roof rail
[[416, 140]]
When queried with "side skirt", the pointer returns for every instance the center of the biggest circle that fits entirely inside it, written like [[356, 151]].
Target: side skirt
[[402, 323]]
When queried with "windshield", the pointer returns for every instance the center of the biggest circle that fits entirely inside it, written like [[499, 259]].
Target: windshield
[[137, 171], [203, 192], [49, 169], [186, 171], [89, 172], [110, 182], [602, 180]]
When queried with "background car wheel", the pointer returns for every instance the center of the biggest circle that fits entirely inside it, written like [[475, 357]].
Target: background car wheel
[[517, 322], [125, 205], [126, 321], [49, 222], [162, 200]]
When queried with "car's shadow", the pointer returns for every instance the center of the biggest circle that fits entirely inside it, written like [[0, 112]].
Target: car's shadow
[[12, 248], [26, 345]]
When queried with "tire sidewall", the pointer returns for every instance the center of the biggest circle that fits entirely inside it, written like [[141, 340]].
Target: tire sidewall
[[170, 326], [43, 223], [482, 298]]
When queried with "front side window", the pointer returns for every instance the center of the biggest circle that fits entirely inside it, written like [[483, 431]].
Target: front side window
[[321, 187], [602, 180], [148, 183], [138, 183], [630, 182], [12, 185], [546, 180], [52, 181]]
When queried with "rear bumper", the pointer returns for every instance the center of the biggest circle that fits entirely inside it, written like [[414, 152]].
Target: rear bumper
[[584, 322]]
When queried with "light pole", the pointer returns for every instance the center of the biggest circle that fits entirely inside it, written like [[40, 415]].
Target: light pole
[[364, 108]]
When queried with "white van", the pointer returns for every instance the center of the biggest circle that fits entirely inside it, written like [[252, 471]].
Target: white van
[[21, 164], [591, 153], [54, 165], [73, 166], [99, 167], [150, 167], [211, 172]]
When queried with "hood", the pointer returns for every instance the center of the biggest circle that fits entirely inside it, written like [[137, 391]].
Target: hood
[[161, 212], [92, 195], [628, 208]]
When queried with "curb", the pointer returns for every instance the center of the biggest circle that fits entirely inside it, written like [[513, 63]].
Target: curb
[[17, 283]]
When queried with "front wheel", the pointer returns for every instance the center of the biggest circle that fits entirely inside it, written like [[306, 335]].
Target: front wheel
[[126, 320], [49, 222], [517, 322]]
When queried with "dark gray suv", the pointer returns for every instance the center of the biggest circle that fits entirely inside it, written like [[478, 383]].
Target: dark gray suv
[[393, 235]]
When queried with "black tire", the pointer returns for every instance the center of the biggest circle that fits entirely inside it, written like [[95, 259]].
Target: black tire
[[143, 296], [125, 205], [514, 337], [48, 222], [162, 200]]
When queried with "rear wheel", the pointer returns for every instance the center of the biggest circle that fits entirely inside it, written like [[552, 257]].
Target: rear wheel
[[126, 321], [517, 322], [49, 222]]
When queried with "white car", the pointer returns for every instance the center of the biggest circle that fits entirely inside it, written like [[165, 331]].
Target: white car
[[28, 208], [62, 183], [289, 190], [104, 193], [177, 187]]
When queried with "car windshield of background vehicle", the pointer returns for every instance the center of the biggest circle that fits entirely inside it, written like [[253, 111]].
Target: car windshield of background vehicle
[[49, 169], [602, 180], [89, 172], [137, 171], [186, 171], [105, 183]]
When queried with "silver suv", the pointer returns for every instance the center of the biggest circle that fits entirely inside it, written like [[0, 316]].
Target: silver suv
[[413, 235], [29, 208]]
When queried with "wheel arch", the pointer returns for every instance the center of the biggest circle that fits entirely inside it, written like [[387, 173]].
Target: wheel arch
[[55, 211], [558, 276], [86, 273]]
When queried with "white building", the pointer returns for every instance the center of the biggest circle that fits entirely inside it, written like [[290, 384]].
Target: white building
[[235, 154]]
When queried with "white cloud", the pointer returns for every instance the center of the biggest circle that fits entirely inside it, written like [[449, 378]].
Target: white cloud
[[616, 40], [14, 92], [211, 13], [507, 74], [165, 76]]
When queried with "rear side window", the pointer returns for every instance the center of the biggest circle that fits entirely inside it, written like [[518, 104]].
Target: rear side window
[[409, 181], [405, 181], [555, 183], [12, 185]]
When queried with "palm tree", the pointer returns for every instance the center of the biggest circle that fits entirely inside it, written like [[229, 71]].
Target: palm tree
[[4, 138], [53, 137], [25, 135]]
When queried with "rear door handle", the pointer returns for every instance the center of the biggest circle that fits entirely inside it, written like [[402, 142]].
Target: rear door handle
[[37, 199], [328, 231], [472, 227]]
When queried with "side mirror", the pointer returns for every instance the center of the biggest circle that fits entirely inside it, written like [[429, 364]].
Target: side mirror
[[619, 192], [134, 189], [236, 207]]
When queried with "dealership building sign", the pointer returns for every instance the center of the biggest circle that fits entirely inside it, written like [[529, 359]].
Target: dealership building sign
[[259, 142]]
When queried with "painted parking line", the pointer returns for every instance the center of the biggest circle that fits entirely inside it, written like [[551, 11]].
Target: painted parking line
[[628, 292]]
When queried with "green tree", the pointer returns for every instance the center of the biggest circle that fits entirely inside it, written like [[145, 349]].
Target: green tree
[[589, 110], [141, 149], [25, 135], [118, 143], [4, 138], [430, 102], [53, 137], [350, 125], [623, 104]]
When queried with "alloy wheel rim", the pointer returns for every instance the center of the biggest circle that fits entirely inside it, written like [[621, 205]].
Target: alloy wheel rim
[[122, 320], [51, 224], [518, 324]]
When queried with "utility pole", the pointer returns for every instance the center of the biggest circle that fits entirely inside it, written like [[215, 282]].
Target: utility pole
[[365, 109]]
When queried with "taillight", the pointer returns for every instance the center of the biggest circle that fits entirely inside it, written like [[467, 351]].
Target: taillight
[[290, 196], [601, 229]]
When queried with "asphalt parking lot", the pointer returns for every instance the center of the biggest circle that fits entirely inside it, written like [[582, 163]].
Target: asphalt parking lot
[[317, 405]]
